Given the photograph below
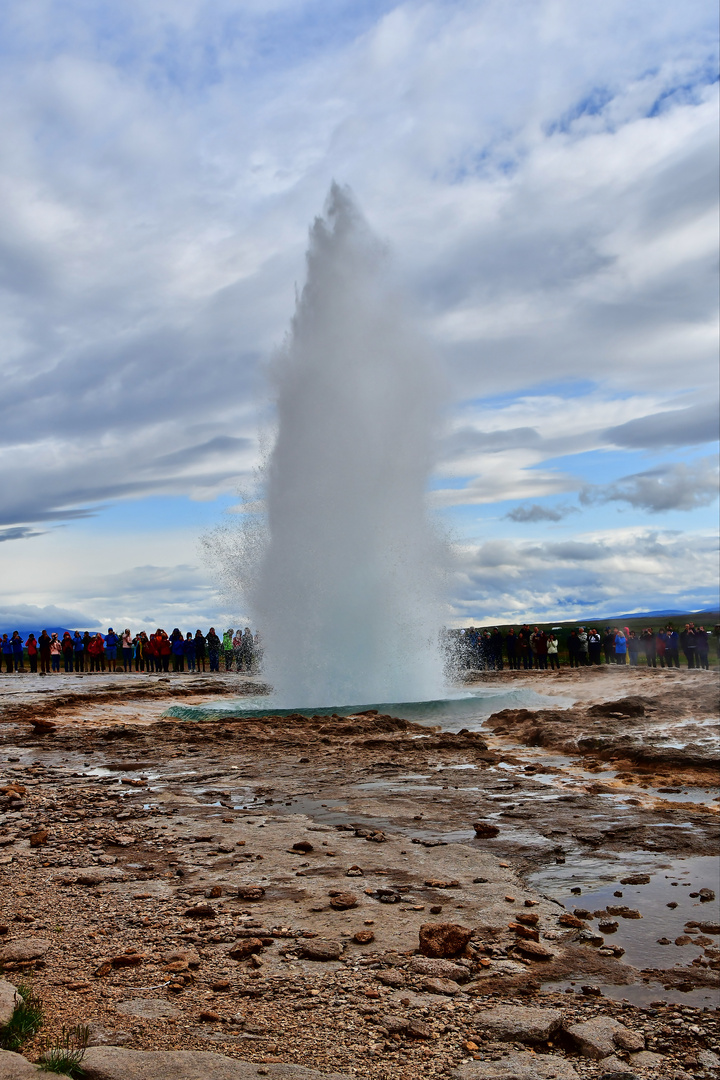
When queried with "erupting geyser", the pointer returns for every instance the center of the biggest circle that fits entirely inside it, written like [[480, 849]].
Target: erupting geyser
[[347, 596]]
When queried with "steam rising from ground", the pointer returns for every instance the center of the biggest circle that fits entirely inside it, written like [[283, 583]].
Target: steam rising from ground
[[347, 591]]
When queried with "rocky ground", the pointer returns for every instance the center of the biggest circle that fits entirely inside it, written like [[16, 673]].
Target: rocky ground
[[364, 896]]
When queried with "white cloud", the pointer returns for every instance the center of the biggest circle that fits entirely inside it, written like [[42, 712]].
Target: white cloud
[[546, 174], [666, 487], [511, 580]]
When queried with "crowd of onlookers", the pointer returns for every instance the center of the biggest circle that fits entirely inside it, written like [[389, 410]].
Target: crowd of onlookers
[[94, 652], [485, 649], [476, 648]]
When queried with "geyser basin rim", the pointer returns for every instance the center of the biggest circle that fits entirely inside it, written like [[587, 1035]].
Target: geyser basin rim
[[202, 712], [468, 705]]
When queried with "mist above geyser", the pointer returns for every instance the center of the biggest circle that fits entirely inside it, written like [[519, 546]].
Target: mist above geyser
[[348, 592]]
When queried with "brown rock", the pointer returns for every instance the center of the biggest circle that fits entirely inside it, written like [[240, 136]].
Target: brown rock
[[17, 952], [355, 871], [443, 939], [401, 1025], [322, 949], [343, 901], [37, 839], [208, 1017], [303, 846], [628, 706], [441, 986], [599, 1037], [485, 830], [438, 969], [250, 892], [127, 960], [438, 883], [364, 937], [245, 947], [201, 911], [533, 950], [529, 933], [517, 1023], [9, 999]]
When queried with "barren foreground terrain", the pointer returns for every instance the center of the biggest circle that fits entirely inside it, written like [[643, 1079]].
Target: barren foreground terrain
[[532, 895]]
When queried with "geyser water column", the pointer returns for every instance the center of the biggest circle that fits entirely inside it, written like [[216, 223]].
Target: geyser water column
[[348, 594]]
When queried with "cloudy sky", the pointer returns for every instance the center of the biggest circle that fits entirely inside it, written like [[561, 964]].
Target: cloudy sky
[[545, 174]]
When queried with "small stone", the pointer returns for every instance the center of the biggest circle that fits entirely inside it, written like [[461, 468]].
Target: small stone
[[636, 879], [303, 846], [705, 895], [363, 937], [354, 871], [37, 839]]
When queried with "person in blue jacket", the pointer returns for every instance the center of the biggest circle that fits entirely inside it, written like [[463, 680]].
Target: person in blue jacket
[[177, 648], [672, 647], [620, 647], [7, 653], [17, 648], [111, 644], [79, 651]]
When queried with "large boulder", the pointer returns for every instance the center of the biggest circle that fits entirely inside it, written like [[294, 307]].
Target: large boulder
[[117, 1063], [518, 1023], [24, 949], [601, 1036], [443, 939], [15, 1067], [518, 1066], [9, 999], [438, 969]]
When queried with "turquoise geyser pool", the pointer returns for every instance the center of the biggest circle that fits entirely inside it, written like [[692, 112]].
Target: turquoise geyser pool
[[450, 713]]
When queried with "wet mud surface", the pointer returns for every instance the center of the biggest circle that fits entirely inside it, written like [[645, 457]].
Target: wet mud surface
[[615, 780]]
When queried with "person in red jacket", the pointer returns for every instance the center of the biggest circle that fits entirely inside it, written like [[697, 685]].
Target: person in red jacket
[[164, 649], [96, 649], [32, 651], [67, 650]]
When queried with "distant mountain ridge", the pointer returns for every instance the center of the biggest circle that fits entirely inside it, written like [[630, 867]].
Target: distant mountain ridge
[[661, 614]]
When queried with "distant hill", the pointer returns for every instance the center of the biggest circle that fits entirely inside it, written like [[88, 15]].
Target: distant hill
[[665, 613]]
